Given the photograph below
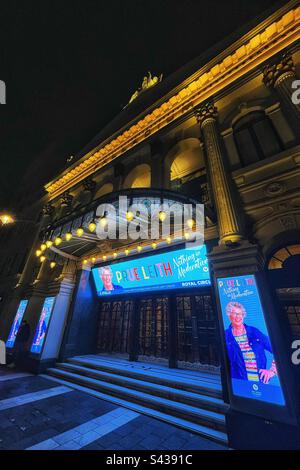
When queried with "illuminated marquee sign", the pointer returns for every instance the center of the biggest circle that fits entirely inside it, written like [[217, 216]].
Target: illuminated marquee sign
[[185, 268], [252, 367], [16, 324], [42, 326]]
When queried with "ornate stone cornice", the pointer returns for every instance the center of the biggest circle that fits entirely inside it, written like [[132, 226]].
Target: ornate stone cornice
[[274, 73], [206, 112], [269, 38]]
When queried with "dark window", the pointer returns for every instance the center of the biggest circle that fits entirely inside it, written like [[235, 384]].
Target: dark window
[[293, 313], [256, 138]]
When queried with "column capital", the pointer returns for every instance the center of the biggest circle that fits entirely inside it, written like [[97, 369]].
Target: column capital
[[66, 199], [206, 112], [89, 184], [48, 209], [274, 74]]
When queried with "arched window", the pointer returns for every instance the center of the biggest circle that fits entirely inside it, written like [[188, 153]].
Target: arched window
[[139, 177], [256, 138], [281, 257]]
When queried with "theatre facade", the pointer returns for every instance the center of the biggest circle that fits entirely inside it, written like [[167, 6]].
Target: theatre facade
[[223, 133]]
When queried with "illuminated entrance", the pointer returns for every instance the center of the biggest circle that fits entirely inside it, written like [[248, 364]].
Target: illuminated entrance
[[158, 308], [190, 318]]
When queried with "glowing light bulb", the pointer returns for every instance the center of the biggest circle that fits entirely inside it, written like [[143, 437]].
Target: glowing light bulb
[[169, 240], [154, 245], [139, 248], [129, 216], [92, 227], [79, 232], [58, 241], [126, 252], [162, 216], [52, 264], [115, 255], [42, 259], [85, 261], [68, 236], [49, 243], [43, 247], [103, 222], [104, 257], [38, 252], [190, 223]]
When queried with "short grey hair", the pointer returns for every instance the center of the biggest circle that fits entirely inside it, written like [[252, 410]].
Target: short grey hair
[[232, 305], [105, 268]]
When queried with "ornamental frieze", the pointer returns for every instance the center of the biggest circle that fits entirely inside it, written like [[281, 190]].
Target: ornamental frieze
[[245, 55]]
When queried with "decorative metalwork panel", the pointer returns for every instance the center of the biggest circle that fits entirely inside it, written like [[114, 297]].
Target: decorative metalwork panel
[[113, 326], [197, 330], [153, 327]]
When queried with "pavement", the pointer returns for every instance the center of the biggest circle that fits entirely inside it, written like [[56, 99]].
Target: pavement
[[38, 414]]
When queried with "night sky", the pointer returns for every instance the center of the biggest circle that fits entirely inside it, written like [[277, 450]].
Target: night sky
[[70, 67]]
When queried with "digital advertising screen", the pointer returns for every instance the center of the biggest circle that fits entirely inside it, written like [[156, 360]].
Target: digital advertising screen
[[42, 326], [253, 369], [185, 268], [16, 324]]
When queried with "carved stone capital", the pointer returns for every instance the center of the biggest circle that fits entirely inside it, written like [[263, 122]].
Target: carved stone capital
[[89, 184], [207, 111], [274, 74], [66, 199], [48, 210]]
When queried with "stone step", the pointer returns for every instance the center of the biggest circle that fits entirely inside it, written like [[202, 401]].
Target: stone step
[[200, 383], [190, 398], [196, 415], [204, 431]]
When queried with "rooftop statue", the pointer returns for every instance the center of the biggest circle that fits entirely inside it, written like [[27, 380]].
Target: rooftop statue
[[148, 82]]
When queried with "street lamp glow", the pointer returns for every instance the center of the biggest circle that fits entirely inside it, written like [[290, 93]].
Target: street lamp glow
[[6, 219]]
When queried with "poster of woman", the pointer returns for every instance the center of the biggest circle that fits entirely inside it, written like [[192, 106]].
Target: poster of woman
[[250, 354]]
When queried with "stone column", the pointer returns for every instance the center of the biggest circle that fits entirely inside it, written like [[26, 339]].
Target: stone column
[[228, 212], [59, 315], [27, 274], [280, 77], [25, 280], [157, 165], [81, 330]]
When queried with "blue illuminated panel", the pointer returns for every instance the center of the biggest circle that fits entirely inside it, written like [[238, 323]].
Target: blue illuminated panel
[[41, 329], [16, 324], [252, 367], [185, 268]]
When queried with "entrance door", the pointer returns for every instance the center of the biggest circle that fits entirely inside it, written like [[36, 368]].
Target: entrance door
[[197, 330], [153, 327], [113, 326]]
